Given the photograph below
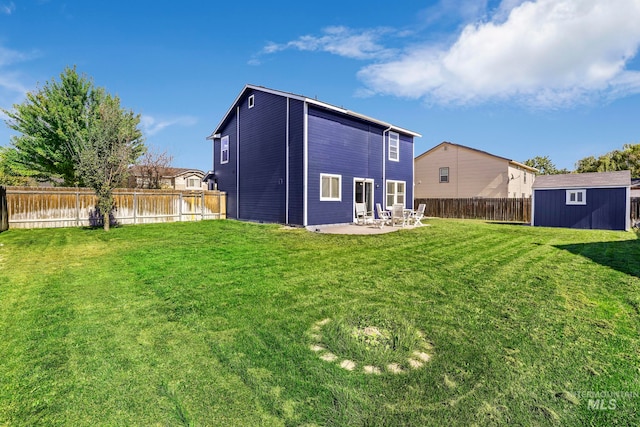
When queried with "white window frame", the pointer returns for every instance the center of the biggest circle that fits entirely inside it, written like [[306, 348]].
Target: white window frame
[[187, 182], [331, 197], [394, 146], [252, 101], [440, 175], [395, 193], [224, 141], [579, 197]]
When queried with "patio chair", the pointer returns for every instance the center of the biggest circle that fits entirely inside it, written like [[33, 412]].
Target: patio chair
[[416, 217], [362, 215], [384, 217], [398, 215]]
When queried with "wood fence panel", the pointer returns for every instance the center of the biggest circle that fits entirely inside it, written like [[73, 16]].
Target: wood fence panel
[[29, 207], [4, 210], [635, 211], [512, 210]]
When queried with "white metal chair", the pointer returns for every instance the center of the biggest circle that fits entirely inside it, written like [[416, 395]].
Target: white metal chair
[[416, 217], [362, 215], [384, 217], [398, 215]]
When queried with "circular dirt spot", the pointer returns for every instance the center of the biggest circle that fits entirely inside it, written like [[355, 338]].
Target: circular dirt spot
[[372, 343]]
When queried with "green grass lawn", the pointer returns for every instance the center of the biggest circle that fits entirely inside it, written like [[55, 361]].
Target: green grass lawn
[[212, 323]]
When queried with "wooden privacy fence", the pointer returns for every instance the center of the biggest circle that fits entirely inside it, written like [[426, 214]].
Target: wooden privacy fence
[[635, 210], [516, 209], [4, 211], [30, 207]]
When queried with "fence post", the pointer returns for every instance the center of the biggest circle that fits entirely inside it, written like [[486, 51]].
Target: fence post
[[180, 207], [4, 210], [135, 207], [202, 205], [77, 207]]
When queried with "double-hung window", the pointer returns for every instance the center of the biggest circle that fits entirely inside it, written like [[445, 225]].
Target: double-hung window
[[193, 183], [444, 174], [395, 192], [394, 146], [330, 187], [576, 197], [224, 150]]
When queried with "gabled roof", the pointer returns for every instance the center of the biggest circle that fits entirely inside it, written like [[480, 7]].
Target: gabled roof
[[583, 180], [137, 170], [308, 101], [521, 165]]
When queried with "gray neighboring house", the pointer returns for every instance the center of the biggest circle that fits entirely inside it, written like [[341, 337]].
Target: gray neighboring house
[[599, 200]]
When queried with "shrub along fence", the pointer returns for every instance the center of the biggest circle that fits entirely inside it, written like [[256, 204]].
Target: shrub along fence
[[4, 212], [516, 209], [30, 207]]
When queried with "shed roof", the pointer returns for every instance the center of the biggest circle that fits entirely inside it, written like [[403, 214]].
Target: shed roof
[[312, 102], [584, 180]]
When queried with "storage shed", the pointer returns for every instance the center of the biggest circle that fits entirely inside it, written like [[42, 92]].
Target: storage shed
[[599, 200]]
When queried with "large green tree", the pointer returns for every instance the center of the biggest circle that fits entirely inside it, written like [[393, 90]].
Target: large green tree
[[544, 165], [110, 144], [51, 123], [626, 159]]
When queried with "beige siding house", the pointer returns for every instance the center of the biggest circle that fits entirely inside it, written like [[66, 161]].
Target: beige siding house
[[168, 178], [454, 171]]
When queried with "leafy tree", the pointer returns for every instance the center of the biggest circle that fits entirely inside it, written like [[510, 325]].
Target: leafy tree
[[544, 165], [51, 122], [626, 159], [109, 145], [8, 175]]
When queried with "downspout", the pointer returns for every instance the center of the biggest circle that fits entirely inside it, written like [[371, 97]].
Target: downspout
[[384, 166], [286, 190], [305, 165], [238, 162]]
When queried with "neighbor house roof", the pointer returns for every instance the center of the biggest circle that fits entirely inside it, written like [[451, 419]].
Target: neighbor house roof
[[584, 180], [166, 172], [513, 162], [312, 102], [635, 183]]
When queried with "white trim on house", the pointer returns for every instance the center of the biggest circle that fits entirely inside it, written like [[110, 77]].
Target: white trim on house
[[313, 102], [286, 172], [581, 188], [222, 150], [396, 156], [576, 196], [331, 197], [305, 172], [238, 162], [251, 101], [373, 192], [628, 210], [395, 192]]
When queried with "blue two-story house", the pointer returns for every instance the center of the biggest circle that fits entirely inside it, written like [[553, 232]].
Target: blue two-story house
[[290, 159]]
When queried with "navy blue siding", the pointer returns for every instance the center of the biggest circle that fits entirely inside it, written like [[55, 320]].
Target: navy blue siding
[[263, 158], [353, 149], [402, 170], [225, 174], [296, 162], [605, 209]]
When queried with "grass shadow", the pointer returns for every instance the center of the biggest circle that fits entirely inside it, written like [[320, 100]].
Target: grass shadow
[[623, 255]]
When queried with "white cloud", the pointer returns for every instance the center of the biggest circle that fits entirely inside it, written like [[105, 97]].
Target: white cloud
[[12, 88], [151, 125], [548, 53], [7, 8], [340, 41]]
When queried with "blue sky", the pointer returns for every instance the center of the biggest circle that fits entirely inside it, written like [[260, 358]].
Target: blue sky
[[514, 78]]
